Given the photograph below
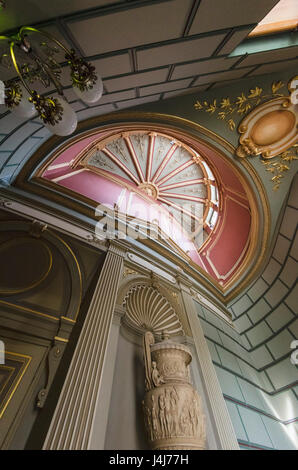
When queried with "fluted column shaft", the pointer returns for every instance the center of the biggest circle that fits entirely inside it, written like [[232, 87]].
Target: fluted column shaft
[[101, 414], [72, 422], [225, 431]]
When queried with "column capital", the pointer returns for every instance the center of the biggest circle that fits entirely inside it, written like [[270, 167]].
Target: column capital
[[184, 283], [117, 248]]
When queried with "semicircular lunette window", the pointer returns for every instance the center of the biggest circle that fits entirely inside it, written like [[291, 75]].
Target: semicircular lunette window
[[171, 173], [168, 185]]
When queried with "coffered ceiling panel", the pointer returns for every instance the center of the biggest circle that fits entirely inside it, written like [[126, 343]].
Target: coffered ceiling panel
[[178, 52], [228, 75], [122, 29], [237, 37], [270, 56], [137, 102], [145, 49], [105, 67], [54, 30], [206, 66], [186, 91], [138, 79], [219, 84], [70, 95], [35, 11], [113, 97], [111, 66], [96, 111], [268, 68], [219, 14], [165, 87]]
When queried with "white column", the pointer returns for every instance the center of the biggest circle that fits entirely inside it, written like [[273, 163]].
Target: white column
[[71, 426], [101, 415], [224, 428]]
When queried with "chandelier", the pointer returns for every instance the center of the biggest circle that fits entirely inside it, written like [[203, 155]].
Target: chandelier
[[32, 55]]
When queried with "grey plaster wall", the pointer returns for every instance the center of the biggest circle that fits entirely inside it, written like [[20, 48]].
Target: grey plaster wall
[[125, 428]]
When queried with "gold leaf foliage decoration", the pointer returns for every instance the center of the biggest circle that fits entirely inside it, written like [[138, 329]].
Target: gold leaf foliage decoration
[[279, 165], [241, 105]]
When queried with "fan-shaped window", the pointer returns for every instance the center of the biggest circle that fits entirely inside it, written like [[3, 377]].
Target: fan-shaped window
[[165, 169]]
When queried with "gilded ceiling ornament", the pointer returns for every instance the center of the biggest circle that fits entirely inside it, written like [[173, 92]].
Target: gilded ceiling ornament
[[241, 105], [269, 124], [280, 164], [269, 129]]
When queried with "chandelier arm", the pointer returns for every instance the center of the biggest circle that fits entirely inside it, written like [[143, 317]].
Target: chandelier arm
[[43, 33], [77, 65], [56, 82], [3, 38], [15, 64], [49, 110]]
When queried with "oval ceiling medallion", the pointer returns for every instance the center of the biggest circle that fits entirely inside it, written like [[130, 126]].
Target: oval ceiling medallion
[[25, 263], [269, 129], [272, 127]]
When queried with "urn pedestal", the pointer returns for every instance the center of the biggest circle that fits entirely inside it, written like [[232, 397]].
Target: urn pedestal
[[172, 407]]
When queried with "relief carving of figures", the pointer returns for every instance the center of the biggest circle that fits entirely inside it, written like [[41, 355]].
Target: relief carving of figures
[[162, 419], [147, 341], [174, 411], [156, 377], [169, 418], [172, 407], [154, 419]]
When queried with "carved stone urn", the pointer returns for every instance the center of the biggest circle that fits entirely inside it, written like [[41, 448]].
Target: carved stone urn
[[172, 407]]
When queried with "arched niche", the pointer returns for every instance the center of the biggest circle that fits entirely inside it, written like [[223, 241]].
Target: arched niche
[[38, 267], [147, 295]]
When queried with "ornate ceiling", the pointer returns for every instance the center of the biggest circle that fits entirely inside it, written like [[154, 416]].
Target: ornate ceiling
[[150, 50], [143, 61]]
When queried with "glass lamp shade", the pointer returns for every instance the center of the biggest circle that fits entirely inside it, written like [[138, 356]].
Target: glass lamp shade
[[68, 123], [25, 109], [92, 95]]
